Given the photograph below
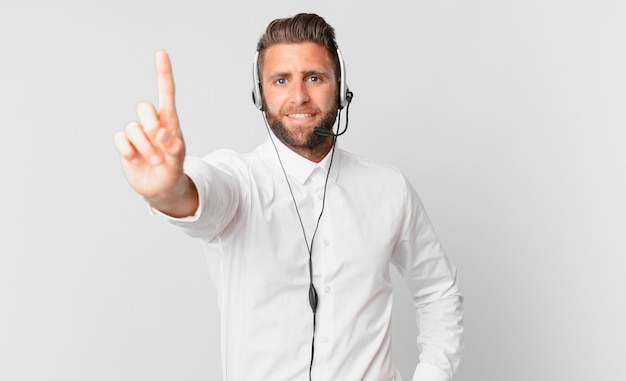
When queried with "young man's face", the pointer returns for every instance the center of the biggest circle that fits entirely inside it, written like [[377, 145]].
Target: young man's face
[[300, 94]]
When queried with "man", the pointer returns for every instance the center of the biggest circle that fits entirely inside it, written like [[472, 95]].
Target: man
[[299, 234]]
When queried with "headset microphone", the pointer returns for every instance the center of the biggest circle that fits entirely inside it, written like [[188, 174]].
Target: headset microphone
[[322, 132]]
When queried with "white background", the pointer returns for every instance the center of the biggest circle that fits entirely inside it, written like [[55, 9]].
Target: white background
[[507, 116]]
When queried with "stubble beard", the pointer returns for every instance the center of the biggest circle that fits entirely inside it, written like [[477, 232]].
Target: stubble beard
[[311, 141]]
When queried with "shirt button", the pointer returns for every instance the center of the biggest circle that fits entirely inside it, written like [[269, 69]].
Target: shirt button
[[327, 242], [325, 339], [320, 196], [327, 290]]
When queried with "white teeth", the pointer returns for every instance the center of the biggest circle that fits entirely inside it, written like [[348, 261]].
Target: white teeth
[[300, 116]]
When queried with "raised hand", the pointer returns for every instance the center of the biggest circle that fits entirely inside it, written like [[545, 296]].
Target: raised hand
[[153, 150]]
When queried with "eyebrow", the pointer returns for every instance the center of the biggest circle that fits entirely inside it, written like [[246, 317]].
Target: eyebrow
[[306, 73], [315, 72]]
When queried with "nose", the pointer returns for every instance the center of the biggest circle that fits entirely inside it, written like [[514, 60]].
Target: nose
[[299, 93]]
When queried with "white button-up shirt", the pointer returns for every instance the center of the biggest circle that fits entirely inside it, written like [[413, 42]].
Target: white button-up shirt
[[259, 263]]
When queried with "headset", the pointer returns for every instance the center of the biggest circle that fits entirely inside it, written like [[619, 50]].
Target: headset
[[345, 95]]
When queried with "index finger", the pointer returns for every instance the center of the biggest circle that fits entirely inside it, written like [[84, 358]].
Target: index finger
[[165, 82]]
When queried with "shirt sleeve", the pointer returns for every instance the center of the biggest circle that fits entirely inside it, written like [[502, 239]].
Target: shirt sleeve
[[219, 193], [433, 286]]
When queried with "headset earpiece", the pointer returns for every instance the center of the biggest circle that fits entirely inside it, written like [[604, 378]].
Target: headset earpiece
[[345, 95], [257, 99]]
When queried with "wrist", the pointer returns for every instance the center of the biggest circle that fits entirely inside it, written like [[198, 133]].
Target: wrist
[[180, 201]]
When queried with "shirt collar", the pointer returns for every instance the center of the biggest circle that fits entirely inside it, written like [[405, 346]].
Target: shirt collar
[[299, 167]]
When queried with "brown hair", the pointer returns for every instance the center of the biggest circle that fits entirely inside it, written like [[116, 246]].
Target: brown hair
[[303, 27]]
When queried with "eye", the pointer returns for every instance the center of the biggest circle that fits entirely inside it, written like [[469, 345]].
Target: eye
[[315, 79], [280, 81]]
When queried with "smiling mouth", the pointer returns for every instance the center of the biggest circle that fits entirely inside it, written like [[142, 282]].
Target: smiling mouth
[[300, 116]]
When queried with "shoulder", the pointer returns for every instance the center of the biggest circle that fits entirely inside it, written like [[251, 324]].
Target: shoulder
[[353, 165], [226, 160], [385, 183], [242, 167]]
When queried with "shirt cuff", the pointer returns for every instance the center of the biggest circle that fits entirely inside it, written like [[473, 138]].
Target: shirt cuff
[[428, 372]]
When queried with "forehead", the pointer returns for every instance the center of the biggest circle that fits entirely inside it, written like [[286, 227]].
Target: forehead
[[297, 57]]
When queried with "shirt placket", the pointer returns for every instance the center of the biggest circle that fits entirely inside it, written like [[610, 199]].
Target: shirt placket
[[323, 246]]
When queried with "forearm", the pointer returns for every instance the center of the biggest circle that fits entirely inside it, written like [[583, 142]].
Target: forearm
[[440, 339]]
